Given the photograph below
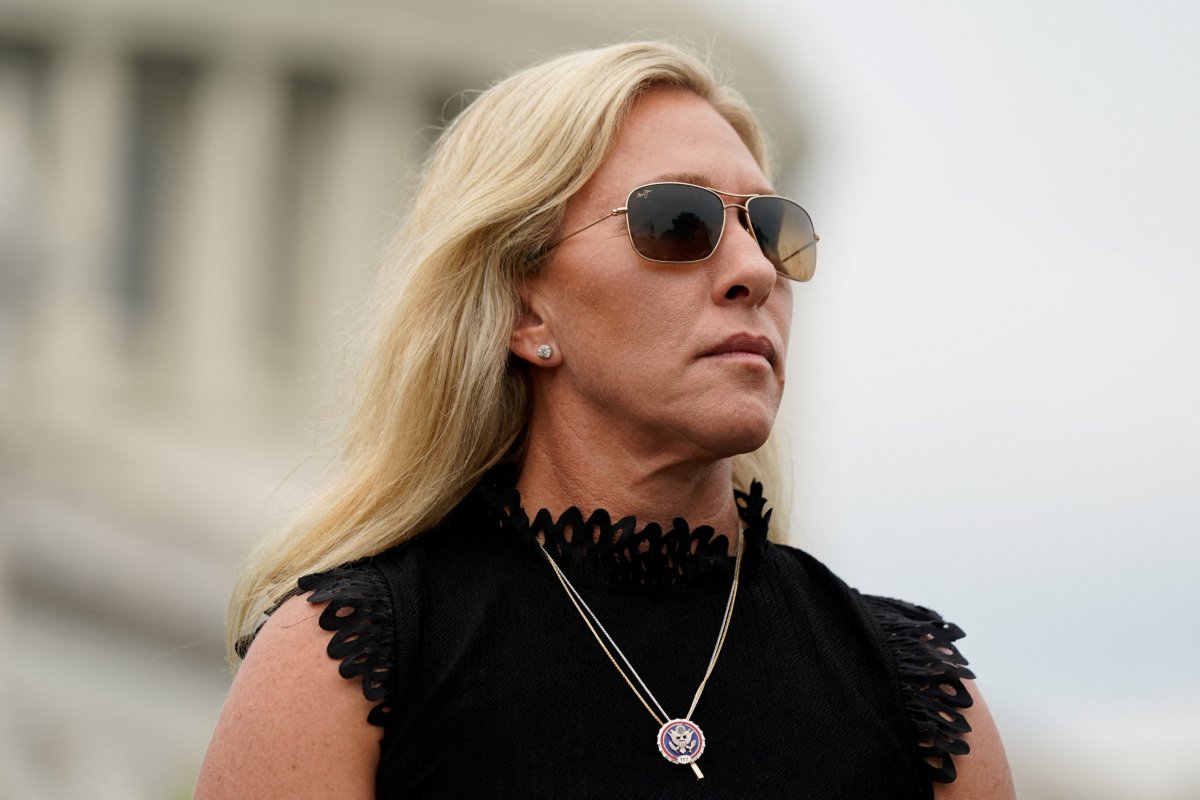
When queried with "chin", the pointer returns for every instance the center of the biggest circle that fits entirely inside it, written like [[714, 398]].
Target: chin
[[735, 436]]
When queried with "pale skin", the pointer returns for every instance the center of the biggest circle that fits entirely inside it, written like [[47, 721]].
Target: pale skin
[[634, 411], [640, 408]]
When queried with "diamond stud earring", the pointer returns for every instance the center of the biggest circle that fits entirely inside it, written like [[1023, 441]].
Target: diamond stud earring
[[545, 351]]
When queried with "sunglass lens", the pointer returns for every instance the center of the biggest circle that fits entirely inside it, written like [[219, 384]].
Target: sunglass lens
[[785, 233], [674, 222]]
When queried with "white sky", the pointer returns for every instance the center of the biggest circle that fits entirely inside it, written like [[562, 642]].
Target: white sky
[[995, 369]]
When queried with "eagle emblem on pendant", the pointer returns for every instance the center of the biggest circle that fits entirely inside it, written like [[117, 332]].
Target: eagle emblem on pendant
[[680, 741]]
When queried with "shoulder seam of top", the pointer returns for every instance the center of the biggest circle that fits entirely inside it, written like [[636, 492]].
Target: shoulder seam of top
[[359, 614], [929, 674]]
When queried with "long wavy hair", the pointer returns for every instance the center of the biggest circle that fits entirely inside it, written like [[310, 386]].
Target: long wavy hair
[[440, 401]]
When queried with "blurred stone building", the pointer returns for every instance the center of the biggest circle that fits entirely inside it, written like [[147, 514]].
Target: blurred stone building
[[193, 196]]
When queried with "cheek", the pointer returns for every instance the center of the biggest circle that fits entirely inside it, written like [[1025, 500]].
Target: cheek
[[591, 317], [783, 314], [618, 310]]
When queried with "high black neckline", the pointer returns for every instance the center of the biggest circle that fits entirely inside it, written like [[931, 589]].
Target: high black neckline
[[597, 549]]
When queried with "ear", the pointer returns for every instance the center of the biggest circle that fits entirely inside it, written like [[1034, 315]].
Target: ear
[[532, 330]]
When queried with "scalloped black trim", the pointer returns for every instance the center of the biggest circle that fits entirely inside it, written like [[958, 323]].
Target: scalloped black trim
[[360, 617], [932, 672], [599, 549]]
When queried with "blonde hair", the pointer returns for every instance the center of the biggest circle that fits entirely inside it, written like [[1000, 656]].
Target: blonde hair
[[439, 402]]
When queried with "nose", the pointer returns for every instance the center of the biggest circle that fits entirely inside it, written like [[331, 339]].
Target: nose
[[743, 274]]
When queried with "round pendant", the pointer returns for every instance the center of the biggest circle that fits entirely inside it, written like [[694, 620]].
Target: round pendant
[[680, 741]]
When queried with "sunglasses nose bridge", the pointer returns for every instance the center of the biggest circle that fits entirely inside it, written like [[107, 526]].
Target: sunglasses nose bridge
[[743, 216]]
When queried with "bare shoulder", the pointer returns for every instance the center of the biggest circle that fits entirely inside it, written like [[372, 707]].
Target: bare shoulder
[[291, 725], [983, 774]]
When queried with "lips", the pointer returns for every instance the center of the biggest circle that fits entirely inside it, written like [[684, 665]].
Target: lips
[[745, 343]]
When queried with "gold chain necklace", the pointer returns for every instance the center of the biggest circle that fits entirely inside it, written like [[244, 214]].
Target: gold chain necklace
[[679, 740]]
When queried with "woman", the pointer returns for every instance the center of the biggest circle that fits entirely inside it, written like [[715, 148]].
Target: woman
[[593, 314]]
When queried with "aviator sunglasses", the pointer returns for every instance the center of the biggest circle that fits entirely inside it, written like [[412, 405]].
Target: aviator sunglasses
[[681, 223]]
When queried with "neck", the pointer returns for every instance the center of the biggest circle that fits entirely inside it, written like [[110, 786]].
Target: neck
[[589, 470]]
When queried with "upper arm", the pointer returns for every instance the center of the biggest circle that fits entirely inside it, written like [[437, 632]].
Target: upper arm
[[291, 725], [983, 773]]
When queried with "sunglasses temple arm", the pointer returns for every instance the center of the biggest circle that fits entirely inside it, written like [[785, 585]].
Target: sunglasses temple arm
[[615, 212], [802, 249]]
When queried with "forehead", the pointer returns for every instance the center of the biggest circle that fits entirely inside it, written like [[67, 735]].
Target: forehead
[[671, 133]]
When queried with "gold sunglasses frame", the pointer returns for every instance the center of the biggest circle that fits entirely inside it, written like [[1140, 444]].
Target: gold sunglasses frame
[[743, 206]]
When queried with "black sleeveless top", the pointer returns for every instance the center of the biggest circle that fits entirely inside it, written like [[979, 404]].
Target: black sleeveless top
[[487, 683]]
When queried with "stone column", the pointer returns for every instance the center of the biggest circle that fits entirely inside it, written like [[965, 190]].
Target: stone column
[[75, 347], [216, 280], [373, 154], [21, 236]]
